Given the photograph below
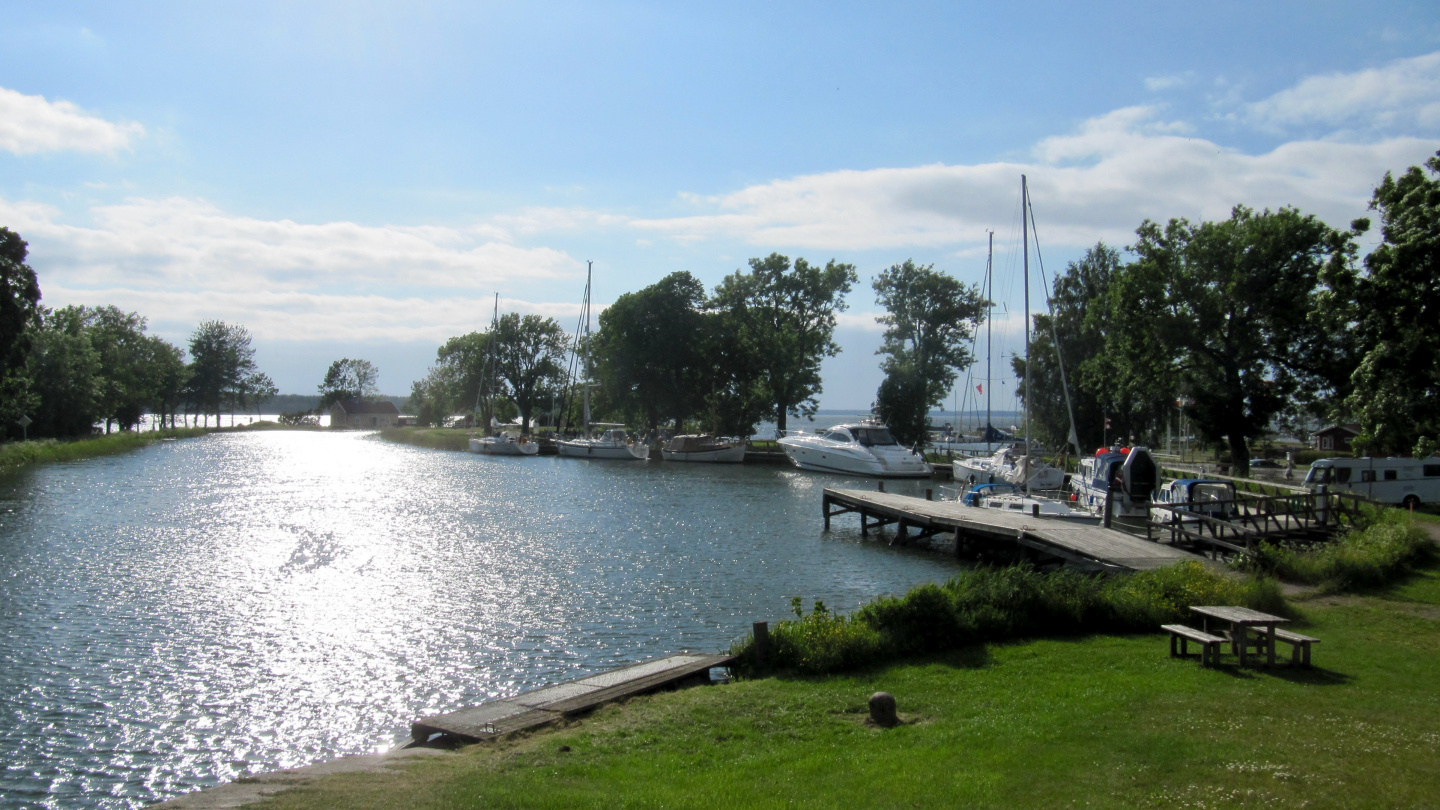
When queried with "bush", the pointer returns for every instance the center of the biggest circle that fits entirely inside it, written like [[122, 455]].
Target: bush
[[994, 604], [1376, 555]]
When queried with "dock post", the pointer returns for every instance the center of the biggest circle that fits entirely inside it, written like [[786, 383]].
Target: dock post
[[1034, 510], [762, 643], [825, 507], [882, 486], [1109, 503], [929, 494]]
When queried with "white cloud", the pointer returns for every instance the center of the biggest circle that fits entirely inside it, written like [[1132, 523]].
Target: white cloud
[[1098, 182], [1157, 84], [1404, 94], [162, 244], [30, 124]]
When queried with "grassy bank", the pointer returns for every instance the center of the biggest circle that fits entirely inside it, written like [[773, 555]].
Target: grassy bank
[[1372, 557], [17, 454], [1100, 721], [433, 438]]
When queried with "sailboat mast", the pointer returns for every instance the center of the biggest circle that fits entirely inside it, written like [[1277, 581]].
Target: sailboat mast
[[989, 311], [1029, 372], [585, 314]]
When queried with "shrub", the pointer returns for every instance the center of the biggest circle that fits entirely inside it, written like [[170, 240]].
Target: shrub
[[1376, 555]]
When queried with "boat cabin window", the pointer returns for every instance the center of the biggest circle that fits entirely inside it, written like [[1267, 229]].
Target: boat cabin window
[[872, 437], [838, 436], [1210, 493]]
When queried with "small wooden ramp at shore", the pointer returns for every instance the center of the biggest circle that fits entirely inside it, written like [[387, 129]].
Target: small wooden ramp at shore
[[497, 718], [1083, 543]]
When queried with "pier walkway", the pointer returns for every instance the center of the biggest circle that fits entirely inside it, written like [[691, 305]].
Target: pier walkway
[[540, 707], [1082, 543]]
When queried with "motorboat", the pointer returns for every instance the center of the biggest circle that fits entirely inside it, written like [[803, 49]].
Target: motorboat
[[1010, 465], [503, 444], [612, 444], [862, 448], [1010, 498], [704, 448], [1202, 496], [1130, 471]]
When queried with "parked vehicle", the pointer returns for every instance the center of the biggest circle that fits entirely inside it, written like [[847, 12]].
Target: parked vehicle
[[862, 448], [1408, 482]]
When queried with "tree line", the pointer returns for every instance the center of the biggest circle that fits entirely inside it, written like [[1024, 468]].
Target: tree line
[[1261, 321], [68, 369]]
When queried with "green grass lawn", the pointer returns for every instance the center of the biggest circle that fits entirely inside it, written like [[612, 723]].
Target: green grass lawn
[[1098, 721], [433, 438]]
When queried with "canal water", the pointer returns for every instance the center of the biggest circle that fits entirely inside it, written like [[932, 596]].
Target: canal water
[[208, 608]]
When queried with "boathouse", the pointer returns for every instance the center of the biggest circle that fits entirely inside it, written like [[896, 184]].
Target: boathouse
[[359, 413]]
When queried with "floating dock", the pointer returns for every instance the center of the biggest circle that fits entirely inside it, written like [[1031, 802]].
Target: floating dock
[[541, 707], [1077, 542]]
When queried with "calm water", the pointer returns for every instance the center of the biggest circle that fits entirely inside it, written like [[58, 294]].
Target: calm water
[[207, 608]]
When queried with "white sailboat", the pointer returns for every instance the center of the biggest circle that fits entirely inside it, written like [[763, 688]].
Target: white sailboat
[[499, 443], [1026, 471], [613, 443]]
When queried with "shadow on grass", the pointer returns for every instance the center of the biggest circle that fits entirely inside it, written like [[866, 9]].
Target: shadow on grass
[[1310, 676]]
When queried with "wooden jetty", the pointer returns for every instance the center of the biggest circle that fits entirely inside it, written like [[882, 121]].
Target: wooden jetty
[[540, 707], [1084, 544]]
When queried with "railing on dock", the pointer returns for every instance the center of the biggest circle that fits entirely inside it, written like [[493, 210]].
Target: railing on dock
[[1238, 525]]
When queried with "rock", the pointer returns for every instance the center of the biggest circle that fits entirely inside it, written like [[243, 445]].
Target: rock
[[882, 710]]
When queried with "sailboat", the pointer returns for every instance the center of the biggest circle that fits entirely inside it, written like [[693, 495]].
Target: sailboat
[[1024, 471], [497, 444], [613, 443]]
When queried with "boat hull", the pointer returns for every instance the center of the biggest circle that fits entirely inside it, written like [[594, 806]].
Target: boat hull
[[728, 455], [820, 459], [608, 452], [500, 447]]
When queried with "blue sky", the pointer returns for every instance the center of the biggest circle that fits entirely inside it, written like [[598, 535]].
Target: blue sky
[[352, 179]]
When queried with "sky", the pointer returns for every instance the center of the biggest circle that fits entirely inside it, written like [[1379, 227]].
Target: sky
[[357, 179]]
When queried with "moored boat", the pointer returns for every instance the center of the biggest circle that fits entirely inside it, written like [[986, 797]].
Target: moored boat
[[612, 444], [862, 448], [503, 444], [704, 448], [1131, 472]]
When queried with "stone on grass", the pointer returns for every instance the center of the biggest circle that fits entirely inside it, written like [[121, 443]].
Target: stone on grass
[[882, 710]]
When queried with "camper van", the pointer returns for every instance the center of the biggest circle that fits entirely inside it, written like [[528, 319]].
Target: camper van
[[1406, 481]]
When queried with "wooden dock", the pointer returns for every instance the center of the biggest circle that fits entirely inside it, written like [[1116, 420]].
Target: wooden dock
[[540, 707], [1084, 544]]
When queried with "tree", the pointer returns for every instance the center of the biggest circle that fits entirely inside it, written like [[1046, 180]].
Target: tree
[[19, 315], [929, 322], [788, 315], [221, 360], [1394, 310], [651, 350], [119, 339], [1229, 304], [528, 354], [349, 379], [168, 376], [65, 372]]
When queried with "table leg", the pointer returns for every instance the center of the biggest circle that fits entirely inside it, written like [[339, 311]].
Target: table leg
[[1270, 644], [1237, 640]]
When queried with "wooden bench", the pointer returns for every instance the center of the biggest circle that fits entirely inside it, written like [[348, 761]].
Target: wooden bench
[[1209, 644], [1299, 646]]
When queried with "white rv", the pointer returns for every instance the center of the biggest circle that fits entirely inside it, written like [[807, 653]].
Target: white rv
[[1406, 481]]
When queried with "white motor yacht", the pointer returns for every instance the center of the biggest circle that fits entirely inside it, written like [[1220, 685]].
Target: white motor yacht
[[612, 444], [1009, 465], [502, 444], [705, 449], [864, 448]]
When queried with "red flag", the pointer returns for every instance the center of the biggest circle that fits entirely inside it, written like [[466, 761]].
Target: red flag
[[980, 388]]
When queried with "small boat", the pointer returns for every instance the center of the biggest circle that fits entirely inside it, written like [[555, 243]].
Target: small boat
[[1009, 465], [862, 448], [704, 448], [612, 444], [1203, 496], [1009, 498], [1131, 469], [503, 444]]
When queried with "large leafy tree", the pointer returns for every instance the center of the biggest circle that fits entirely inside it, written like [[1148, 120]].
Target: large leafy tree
[[1229, 303], [19, 313], [929, 322], [1394, 308], [787, 314], [651, 349], [349, 379], [119, 338], [528, 352], [222, 360], [65, 371], [462, 376]]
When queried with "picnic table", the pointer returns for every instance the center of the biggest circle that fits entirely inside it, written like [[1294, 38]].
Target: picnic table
[[1241, 620]]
